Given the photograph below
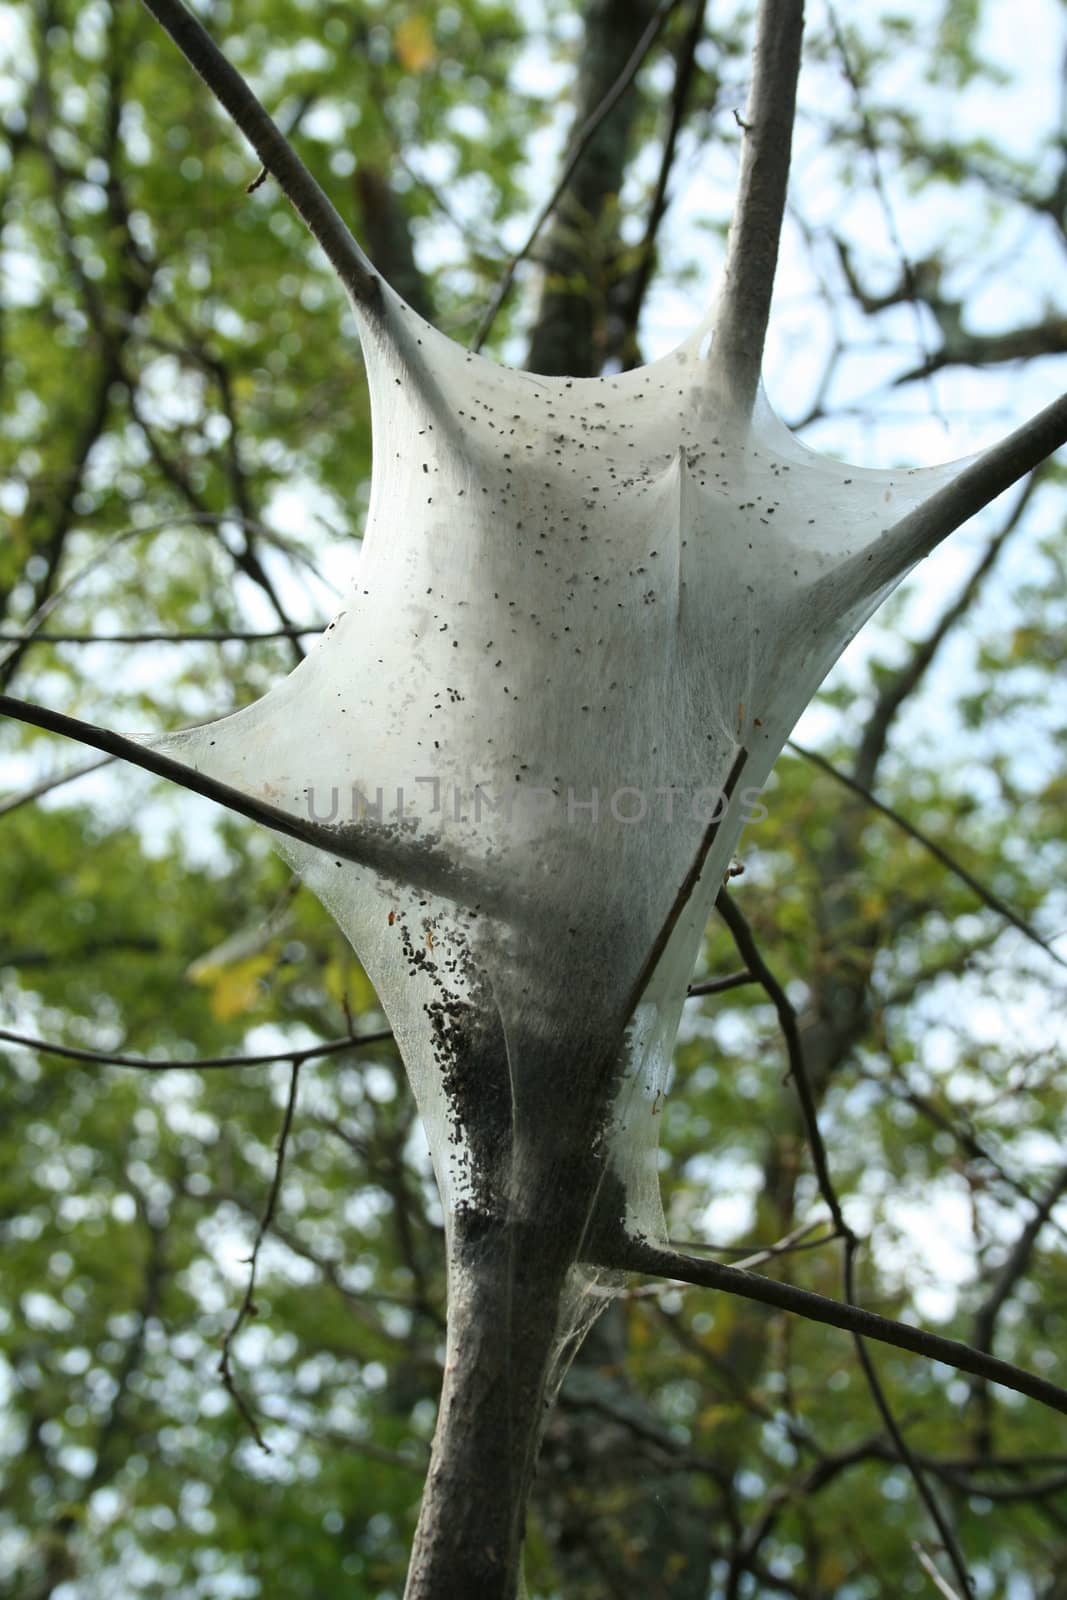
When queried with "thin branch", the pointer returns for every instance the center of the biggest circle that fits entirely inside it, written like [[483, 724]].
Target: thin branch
[[752, 247], [685, 889], [30, 629], [987, 896], [363, 1447], [904, 682], [787, 1018], [176, 472], [823, 1471], [752, 1255], [908, 276], [1018, 1262], [1019, 1493], [44, 786], [900, 1444], [401, 861], [625, 1254], [78, 956], [248, 1307], [276, 154], [970, 491], [55, 504], [898, 1086], [248, 558], [732, 980], [944, 1589], [104, 1058], [999, 1463], [31, 626], [116, 744], [292, 128], [579, 145], [749, 952], [216, 636], [790, 1244], [684, 73]]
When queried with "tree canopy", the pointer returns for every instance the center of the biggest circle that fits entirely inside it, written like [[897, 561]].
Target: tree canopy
[[185, 472]]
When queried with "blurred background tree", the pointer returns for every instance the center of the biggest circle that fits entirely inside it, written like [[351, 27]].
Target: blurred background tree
[[185, 466]]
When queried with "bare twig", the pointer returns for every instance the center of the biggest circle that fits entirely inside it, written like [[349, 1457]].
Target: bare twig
[[275, 152], [749, 952], [752, 247], [116, 744], [870, 143], [44, 786], [987, 896], [215, 636], [1018, 1261], [732, 980], [392, 858], [578, 148], [685, 889], [625, 1254], [790, 1244], [903, 683], [1013, 1270], [900, 1444], [755, 1255], [944, 1589], [685, 71], [30, 632], [248, 1307], [898, 1086], [105, 1058], [970, 491]]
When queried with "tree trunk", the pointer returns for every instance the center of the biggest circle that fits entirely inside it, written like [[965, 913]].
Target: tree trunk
[[506, 1287], [579, 262]]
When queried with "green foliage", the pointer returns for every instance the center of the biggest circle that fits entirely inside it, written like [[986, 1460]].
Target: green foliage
[[178, 361]]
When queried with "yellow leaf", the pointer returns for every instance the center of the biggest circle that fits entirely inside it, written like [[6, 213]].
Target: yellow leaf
[[235, 989], [414, 45], [345, 981], [832, 1571]]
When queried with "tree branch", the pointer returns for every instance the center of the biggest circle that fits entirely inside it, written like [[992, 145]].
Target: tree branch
[[273, 149], [43, 786], [580, 143], [970, 491], [685, 889], [212, 636], [752, 248], [750, 953], [248, 1307], [904, 682], [211, 520], [139, 755], [1014, 1269], [731, 980], [1017, 1263], [637, 287], [625, 1254], [900, 1444], [943, 1589], [402, 861], [987, 896], [908, 277], [104, 1058]]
